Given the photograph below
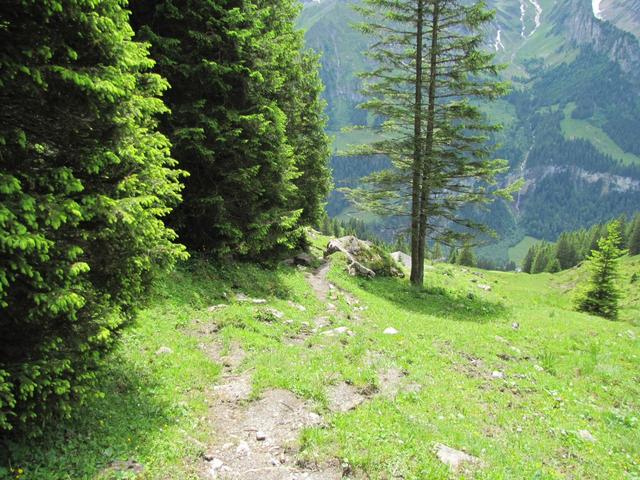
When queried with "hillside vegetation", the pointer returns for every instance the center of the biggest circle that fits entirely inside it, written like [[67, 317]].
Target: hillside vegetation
[[491, 363]]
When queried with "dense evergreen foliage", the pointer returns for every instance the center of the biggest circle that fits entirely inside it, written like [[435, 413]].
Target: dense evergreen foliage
[[85, 179], [574, 247], [246, 121], [602, 294]]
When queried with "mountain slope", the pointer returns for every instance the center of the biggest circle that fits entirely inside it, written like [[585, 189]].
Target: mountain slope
[[572, 121], [512, 369]]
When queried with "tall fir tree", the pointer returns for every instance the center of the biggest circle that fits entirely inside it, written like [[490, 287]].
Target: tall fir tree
[[602, 294], [85, 181], [527, 263], [431, 73], [566, 252], [233, 66], [634, 237]]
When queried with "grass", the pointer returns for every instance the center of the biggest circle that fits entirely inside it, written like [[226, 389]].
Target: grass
[[563, 372], [575, 128], [519, 251]]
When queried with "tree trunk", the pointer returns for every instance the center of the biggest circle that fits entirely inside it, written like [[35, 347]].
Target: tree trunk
[[416, 258], [427, 173]]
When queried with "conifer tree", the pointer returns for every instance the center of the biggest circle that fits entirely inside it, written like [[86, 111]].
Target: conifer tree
[[527, 263], [234, 67], [553, 266], [430, 65], [85, 181], [466, 256], [602, 294], [542, 258], [566, 252], [634, 237]]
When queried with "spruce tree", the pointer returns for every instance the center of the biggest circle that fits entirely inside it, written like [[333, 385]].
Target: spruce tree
[[553, 266], [602, 294], [231, 64], [431, 72], [527, 263], [634, 237], [86, 179], [466, 256], [542, 258], [566, 252]]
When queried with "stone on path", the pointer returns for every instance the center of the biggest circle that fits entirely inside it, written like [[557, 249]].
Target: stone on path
[[454, 458], [497, 374]]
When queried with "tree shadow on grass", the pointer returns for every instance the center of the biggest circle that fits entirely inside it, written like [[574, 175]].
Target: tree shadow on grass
[[122, 425], [436, 301]]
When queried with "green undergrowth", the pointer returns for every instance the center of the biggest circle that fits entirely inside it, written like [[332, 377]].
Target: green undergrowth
[[506, 371]]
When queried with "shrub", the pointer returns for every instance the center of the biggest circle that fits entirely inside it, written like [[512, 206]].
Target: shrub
[[84, 181]]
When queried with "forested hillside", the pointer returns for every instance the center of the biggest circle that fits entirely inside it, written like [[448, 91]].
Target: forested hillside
[[570, 122]]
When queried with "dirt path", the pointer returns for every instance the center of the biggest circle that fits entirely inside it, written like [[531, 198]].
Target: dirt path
[[258, 440], [318, 281]]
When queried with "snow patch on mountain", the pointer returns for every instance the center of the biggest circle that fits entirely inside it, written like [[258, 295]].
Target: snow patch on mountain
[[498, 43], [536, 19], [523, 10], [597, 12]]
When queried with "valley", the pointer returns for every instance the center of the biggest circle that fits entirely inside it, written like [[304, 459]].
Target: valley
[[571, 117]]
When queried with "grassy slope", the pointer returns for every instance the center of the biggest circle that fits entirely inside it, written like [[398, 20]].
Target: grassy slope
[[574, 128], [519, 251], [452, 337]]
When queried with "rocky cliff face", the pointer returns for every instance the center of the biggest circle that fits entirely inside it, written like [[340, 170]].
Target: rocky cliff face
[[584, 29], [624, 14]]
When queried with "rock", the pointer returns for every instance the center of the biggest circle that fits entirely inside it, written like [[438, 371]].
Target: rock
[[297, 305], [390, 331], [402, 258], [303, 259], [586, 436], [241, 297], [486, 288], [260, 436], [269, 314], [163, 351], [515, 325], [243, 449], [215, 465], [365, 259], [538, 368], [454, 458], [337, 331], [496, 374]]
